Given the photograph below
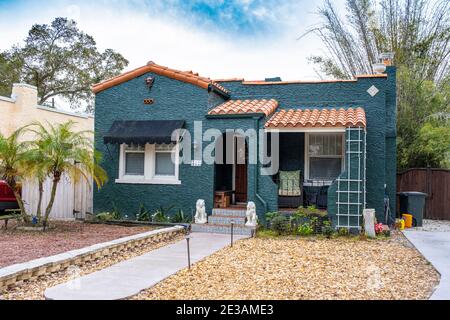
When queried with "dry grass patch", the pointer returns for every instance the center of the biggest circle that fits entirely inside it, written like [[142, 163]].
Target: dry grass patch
[[299, 268]]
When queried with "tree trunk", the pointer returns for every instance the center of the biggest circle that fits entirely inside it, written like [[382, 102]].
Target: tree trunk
[[39, 209], [56, 178], [13, 185], [25, 216]]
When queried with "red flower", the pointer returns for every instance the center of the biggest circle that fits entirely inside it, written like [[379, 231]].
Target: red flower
[[378, 228]]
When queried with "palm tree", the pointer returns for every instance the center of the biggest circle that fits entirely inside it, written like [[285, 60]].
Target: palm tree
[[14, 164], [63, 151], [37, 164]]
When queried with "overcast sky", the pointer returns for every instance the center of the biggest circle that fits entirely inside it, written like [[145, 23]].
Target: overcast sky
[[217, 38]]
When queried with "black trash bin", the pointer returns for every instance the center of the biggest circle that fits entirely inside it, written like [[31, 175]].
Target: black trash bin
[[413, 202]]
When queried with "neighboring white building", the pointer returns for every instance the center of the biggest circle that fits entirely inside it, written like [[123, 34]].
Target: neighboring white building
[[72, 199]]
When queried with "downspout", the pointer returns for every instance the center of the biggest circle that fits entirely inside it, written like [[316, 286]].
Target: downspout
[[258, 196]]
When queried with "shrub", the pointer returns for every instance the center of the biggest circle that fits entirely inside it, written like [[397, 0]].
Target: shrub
[[280, 224], [159, 216], [117, 215], [327, 229], [105, 216], [180, 217], [143, 214], [266, 233], [270, 215], [305, 229], [343, 232]]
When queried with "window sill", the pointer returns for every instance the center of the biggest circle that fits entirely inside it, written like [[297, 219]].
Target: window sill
[[153, 181]]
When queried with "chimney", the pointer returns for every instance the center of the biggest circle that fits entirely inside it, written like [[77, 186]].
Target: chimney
[[385, 60], [26, 95]]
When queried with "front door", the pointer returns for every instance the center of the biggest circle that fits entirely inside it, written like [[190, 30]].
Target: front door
[[240, 170]]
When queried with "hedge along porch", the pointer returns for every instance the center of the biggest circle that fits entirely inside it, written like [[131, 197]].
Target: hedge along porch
[[155, 93]]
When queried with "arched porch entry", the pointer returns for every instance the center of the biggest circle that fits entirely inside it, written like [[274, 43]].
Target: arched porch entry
[[231, 171]]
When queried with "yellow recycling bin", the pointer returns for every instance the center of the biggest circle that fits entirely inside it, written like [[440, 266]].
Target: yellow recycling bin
[[408, 220]]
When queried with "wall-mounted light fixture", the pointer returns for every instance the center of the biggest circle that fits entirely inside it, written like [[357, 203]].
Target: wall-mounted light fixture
[[149, 82]]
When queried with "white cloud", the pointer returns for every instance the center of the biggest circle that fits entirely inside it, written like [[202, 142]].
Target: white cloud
[[142, 35]]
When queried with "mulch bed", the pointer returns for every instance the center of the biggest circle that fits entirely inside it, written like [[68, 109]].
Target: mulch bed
[[305, 268], [20, 246]]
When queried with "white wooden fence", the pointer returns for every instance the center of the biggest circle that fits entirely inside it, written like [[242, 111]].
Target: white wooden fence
[[73, 199]]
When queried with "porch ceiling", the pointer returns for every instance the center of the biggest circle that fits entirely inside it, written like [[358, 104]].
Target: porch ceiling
[[317, 118]]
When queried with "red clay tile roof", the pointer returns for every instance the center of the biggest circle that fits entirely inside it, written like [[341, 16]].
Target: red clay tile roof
[[296, 118], [245, 106], [185, 76]]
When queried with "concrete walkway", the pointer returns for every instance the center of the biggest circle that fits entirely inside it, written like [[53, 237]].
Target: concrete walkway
[[435, 247], [129, 277]]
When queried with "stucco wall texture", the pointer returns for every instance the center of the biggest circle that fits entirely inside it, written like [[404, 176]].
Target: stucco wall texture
[[22, 108], [175, 100]]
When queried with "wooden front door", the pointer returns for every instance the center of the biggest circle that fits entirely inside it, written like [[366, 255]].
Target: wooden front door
[[240, 172]]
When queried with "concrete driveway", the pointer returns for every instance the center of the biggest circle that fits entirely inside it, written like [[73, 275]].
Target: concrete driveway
[[435, 247]]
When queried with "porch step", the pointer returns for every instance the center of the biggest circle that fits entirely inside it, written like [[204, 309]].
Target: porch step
[[224, 219], [229, 212], [222, 228]]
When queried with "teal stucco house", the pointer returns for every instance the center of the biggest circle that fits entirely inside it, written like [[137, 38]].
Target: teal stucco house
[[171, 137]]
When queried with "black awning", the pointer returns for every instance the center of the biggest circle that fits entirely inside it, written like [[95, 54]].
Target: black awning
[[141, 132]]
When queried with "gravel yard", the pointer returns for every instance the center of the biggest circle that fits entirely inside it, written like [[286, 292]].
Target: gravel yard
[[21, 246], [301, 268], [34, 289]]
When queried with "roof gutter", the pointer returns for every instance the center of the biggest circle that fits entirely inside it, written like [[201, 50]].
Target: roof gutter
[[258, 196]]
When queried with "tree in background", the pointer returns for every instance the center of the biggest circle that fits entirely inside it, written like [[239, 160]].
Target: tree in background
[[418, 32], [61, 61]]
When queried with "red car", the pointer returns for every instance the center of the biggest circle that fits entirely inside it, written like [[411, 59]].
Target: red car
[[7, 198]]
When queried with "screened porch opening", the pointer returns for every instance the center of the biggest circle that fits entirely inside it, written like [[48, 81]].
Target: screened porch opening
[[309, 163]]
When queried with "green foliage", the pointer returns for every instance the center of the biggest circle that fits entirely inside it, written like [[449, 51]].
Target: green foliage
[[304, 222], [105, 216], [14, 164], [432, 147], [63, 151], [423, 121], [305, 229], [418, 33], [162, 214], [270, 215], [310, 211], [60, 60], [159, 216], [343, 232], [116, 214], [266, 233], [327, 229], [143, 214], [180, 217], [280, 224]]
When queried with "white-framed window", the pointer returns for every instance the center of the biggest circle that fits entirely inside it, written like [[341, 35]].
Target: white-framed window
[[164, 165], [324, 156], [149, 164]]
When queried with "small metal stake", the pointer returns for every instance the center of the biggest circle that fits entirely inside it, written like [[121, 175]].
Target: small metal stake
[[232, 227], [188, 251]]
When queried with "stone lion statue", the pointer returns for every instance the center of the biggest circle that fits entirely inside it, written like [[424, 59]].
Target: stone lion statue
[[200, 214], [252, 218]]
